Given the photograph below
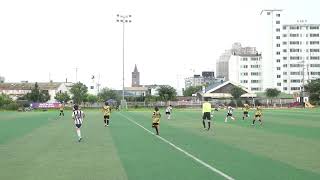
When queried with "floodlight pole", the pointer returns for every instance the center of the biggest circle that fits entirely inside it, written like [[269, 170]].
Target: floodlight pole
[[123, 19]]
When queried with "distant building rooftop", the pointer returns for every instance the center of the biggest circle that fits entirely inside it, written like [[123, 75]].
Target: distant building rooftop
[[28, 86]]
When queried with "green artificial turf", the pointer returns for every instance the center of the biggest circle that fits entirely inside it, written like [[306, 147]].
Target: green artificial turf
[[38, 145]]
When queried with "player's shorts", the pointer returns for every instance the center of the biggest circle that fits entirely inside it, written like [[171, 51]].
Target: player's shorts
[[61, 111], [229, 114], [168, 113], [106, 116], [206, 116], [78, 125], [257, 115], [155, 124]]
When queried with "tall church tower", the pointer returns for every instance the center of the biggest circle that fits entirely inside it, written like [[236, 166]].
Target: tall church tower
[[135, 77]]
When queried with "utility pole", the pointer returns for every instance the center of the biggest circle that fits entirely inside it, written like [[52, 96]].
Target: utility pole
[[98, 84], [76, 74]]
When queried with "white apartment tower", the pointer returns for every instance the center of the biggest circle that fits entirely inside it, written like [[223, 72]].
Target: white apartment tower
[[270, 46]]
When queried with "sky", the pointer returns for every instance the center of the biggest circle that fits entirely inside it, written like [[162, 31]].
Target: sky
[[169, 40]]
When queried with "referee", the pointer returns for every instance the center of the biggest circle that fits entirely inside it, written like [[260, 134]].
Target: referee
[[206, 111]]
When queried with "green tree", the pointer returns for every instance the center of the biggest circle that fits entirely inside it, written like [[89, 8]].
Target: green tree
[[191, 90], [79, 92], [44, 96], [36, 95], [236, 92], [167, 93], [62, 97], [313, 87], [272, 93], [92, 98], [150, 98], [107, 93], [5, 100]]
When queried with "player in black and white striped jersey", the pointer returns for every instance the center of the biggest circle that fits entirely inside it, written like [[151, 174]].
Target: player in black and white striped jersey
[[230, 114], [78, 116]]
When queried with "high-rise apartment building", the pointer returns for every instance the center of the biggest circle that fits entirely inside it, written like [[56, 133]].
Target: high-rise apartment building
[[290, 52]]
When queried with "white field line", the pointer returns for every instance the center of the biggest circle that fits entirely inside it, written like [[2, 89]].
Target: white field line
[[181, 150]]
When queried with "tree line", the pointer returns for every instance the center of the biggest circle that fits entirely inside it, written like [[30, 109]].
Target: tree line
[[79, 94]]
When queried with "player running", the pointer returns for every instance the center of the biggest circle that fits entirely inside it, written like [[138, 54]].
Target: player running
[[61, 110], [106, 109], [258, 115], [78, 116], [229, 114], [156, 119], [245, 111], [168, 112], [206, 114]]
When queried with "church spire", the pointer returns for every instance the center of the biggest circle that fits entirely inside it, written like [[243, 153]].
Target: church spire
[[135, 68], [135, 77]]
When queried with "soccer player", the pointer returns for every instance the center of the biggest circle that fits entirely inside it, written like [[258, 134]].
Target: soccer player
[[61, 110], [258, 115], [156, 119], [245, 111], [206, 113], [106, 113], [168, 112], [229, 114], [78, 116]]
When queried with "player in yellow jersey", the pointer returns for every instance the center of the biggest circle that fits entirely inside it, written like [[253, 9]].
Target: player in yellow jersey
[[61, 110], [258, 115], [246, 109], [206, 113], [106, 109], [156, 119]]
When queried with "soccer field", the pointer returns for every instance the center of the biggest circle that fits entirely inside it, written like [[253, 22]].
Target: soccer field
[[37, 145]]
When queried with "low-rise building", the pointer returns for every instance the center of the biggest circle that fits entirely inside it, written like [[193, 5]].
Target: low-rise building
[[16, 90], [136, 91]]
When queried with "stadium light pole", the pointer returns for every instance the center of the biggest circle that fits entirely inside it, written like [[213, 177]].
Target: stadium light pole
[[123, 19]]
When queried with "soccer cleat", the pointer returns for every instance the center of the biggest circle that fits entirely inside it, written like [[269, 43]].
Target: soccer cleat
[[107, 125], [79, 139]]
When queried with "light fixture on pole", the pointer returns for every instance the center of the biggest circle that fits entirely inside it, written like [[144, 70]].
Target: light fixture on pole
[[123, 19]]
